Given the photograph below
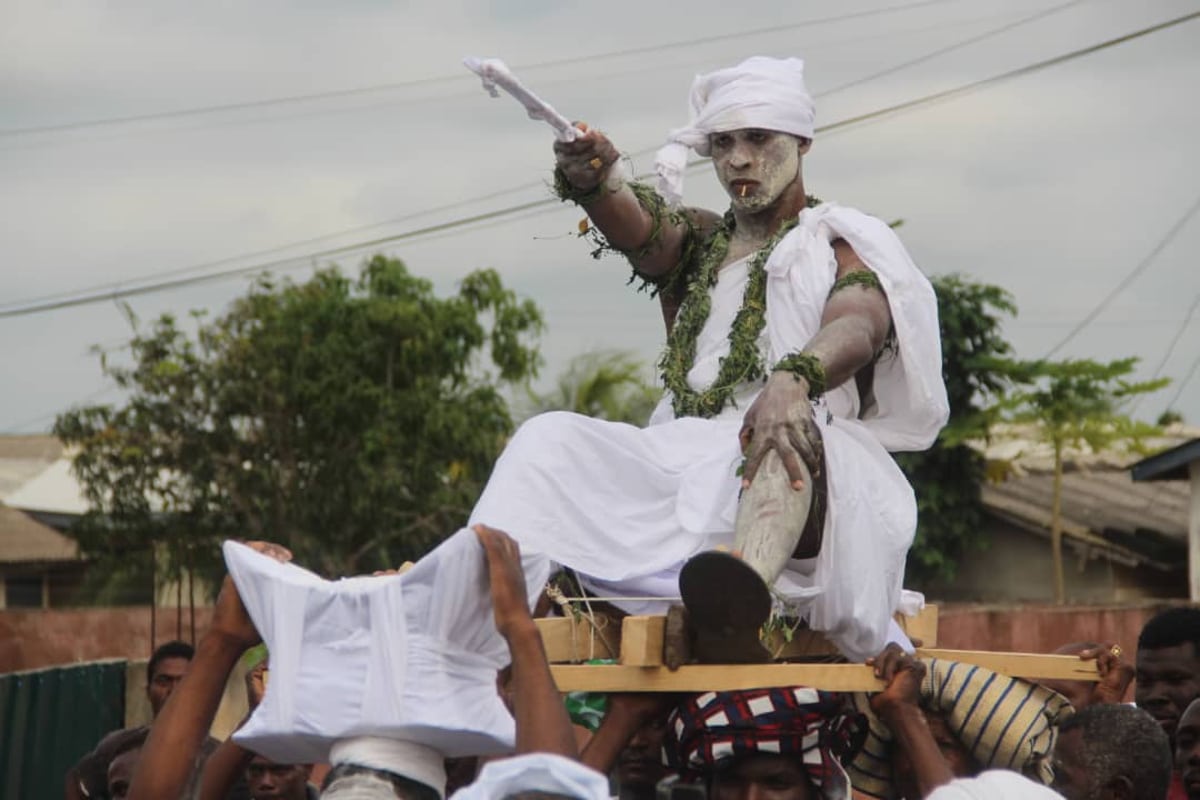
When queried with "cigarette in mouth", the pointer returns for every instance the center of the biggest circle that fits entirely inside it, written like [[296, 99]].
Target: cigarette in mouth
[[742, 190]]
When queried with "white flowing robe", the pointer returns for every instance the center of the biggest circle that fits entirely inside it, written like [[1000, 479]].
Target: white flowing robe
[[626, 506], [413, 657]]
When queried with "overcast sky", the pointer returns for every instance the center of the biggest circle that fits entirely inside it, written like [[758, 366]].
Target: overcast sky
[[1054, 185]]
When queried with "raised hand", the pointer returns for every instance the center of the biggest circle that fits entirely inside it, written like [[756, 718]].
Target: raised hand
[[230, 619], [256, 684], [903, 675], [586, 160], [510, 603]]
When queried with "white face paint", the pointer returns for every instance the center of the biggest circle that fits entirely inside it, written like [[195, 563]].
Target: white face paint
[[755, 166]]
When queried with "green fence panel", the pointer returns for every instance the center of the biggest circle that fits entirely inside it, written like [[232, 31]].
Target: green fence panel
[[49, 718]]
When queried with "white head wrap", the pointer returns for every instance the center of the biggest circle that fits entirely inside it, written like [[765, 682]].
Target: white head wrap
[[535, 772], [411, 760], [996, 784], [760, 92]]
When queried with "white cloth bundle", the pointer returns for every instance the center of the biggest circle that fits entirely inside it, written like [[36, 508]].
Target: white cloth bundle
[[996, 784], [409, 657], [536, 772], [760, 92]]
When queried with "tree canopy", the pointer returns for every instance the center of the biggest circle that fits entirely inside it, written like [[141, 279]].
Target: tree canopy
[[1078, 402], [354, 421], [977, 366]]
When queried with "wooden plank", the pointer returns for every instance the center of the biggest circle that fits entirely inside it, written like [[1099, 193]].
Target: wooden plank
[[1021, 665], [923, 627], [642, 641], [703, 678], [831, 677], [571, 640]]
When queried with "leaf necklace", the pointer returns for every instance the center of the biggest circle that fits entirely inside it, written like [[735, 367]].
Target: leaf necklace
[[743, 363]]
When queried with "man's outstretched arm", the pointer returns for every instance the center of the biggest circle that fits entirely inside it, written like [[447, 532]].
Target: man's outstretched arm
[[587, 165], [169, 756]]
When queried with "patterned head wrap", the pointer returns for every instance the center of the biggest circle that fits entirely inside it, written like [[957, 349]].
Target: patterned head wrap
[[1003, 722], [816, 727], [760, 92]]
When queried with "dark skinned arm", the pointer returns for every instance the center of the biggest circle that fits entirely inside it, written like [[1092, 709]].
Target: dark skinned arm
[[542, 723], [230, 760], [626, 715], [169, 755], [854, 327], [587, 162], [898, 706]]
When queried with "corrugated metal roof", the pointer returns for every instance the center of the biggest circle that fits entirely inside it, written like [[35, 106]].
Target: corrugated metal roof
[[1105, 508], [24, 539]]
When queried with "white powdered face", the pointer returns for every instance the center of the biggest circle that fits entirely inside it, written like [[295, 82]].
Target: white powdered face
[[755, 166]]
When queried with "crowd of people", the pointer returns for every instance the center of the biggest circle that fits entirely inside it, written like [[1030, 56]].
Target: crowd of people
[[936, 729], [802, 350]]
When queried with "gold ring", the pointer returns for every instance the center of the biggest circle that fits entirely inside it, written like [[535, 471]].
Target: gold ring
[[1116, 650], [596, 163]]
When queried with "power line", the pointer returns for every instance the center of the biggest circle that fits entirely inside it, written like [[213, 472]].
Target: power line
[[1183, 384], [1132, 276], [1026, 70], [956, 46], [1170, 349], [109, 287], [114, 293], [457, 78]]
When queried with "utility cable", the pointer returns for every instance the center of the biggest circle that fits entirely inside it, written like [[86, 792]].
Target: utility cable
[[1187, 320], [27, 309], [941, 51], [1141, 267], [439, 80]]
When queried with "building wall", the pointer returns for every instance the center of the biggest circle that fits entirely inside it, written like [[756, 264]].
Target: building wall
[[1043, 629], [1016, 567], [30, 639]]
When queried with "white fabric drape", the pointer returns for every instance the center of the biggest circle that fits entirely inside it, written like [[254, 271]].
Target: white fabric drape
[[626, 506], [408, 657]]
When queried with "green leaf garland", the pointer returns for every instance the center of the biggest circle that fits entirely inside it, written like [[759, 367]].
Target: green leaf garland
[[743, 363]]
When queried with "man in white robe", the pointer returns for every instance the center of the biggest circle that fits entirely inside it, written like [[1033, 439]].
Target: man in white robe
[[843, 366]]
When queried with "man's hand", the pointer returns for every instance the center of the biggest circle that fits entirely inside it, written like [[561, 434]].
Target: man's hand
[[510, 603], [903, 675], [780, 419], [230, 620], [586, 160], [256, 684], [1115, 675]]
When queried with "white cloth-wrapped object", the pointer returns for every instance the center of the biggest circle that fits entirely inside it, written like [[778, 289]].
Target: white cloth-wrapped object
[[626, 507], [410, 657], [996, 784], [760, 92], [537, 773]]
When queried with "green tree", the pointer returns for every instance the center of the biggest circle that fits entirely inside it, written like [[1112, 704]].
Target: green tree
[[353, 421], [1079, 402], [608, 384], [977, 367]]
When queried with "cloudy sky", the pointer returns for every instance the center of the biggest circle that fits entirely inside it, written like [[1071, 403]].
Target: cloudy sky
[[1056, 185]]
